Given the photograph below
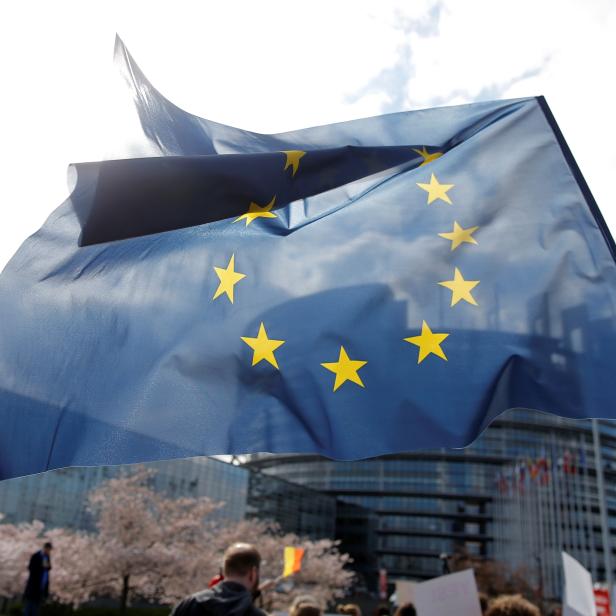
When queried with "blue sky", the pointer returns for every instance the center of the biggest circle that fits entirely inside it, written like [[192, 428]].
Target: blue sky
[[274, 66]]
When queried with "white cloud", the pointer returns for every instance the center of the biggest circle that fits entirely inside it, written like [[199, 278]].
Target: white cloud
[[559, 49]]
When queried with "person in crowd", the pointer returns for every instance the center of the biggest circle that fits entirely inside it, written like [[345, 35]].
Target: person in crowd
[[406, 609], [349, 609], [235, 594], [512, 605], [37, 586], [484, 602], [305, 605]]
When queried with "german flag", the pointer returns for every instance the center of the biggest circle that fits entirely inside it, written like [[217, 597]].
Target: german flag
[[292, 560]]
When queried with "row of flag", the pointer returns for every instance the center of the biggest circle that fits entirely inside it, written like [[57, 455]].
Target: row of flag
[[539, 470]]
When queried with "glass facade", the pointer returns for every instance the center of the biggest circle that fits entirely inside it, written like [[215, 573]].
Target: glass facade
[[445, 501], [295, 507], [58, 498], [356, 529], [316, 514]]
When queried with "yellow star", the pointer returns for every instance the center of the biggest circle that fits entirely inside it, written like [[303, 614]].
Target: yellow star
[[263, 347], [228, 279], [293, 157], [428, 342], [427, 156], [460, 235], [257, 211], [460, 288], [345, 369], [436, 190]]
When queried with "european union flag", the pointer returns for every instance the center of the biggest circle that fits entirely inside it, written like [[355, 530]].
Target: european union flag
[[375, 286]]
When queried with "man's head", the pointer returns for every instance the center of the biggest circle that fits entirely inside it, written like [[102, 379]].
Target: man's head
[[47, 547], [512, 605], [241, 564]]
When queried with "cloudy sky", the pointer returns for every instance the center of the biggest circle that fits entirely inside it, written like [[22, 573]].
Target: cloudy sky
[[275, 66]]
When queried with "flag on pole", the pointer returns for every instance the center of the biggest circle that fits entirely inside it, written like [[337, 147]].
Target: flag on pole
[[382, 584], [292, 560], [544, 470], [363, 288], [533, 468]]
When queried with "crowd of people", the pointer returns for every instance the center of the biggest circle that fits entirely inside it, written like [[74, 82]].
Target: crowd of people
[[238, 587]]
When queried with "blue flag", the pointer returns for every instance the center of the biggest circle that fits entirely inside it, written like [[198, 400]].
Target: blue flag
[[364, 288]]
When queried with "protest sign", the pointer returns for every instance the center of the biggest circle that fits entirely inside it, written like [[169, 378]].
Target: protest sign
[[404, 591], [449, 595], [578, 595]]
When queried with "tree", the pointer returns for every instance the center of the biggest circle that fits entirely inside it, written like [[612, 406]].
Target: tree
[[150, 545], [76, 559], [494, 578], [161, 549]]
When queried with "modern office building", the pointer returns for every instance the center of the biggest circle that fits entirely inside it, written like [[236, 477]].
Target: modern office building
[[526, 489], [441, 502], [546, 505]]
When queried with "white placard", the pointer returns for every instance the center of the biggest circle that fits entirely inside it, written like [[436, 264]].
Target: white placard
[[578, 594], [449, 595], [404, 591]]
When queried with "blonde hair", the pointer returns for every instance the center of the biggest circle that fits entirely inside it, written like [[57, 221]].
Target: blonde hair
[[305, 605], [350, 609], [512, 605]]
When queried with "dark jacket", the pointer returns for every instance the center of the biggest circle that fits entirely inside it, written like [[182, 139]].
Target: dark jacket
[[37, 588], [224, 599]]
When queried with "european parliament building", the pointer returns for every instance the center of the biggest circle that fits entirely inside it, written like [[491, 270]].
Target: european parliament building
[[524, 491], [485, 500]]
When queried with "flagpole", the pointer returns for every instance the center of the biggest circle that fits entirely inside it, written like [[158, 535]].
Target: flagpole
[[587, 507], [545, 482], [567, 502], [560, 518], [555, 547], [607, 548], [523, 534], [540, 519], [546, 489]]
